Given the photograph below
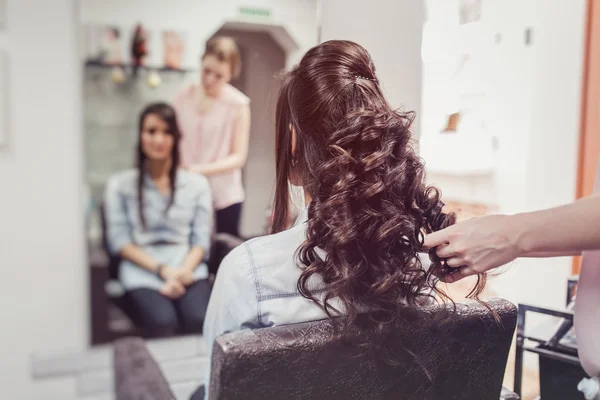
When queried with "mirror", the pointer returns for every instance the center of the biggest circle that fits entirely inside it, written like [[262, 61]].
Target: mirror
[[179, 148]]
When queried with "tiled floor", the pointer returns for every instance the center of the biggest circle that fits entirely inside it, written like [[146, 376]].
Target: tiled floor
[[531, 381], [182, 360]]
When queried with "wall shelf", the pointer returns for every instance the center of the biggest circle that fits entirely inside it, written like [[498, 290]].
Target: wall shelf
[[98, 64]]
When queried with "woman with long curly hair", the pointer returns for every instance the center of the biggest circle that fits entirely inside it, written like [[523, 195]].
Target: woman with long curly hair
[[355, 248]]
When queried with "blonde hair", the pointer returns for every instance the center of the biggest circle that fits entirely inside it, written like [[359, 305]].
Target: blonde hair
[[226, 50]]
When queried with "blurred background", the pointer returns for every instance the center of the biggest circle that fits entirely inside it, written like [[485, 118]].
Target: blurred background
[[506, 94], [270, 36]]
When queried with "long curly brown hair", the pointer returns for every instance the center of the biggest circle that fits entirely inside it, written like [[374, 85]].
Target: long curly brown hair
[[370, 206]]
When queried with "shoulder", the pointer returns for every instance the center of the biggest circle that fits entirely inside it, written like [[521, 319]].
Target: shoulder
[[265, 251], [273, 251], [253, 258], [123, 181], [234, 96], [237, 265], [194, 182], [190, 178], [187, 92]]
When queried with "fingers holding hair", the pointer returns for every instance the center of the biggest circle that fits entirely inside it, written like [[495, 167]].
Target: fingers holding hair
[[458, 273], [438, 238]]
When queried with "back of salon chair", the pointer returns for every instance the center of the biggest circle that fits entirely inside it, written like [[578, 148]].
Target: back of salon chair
[[464, 357], [114, 261]]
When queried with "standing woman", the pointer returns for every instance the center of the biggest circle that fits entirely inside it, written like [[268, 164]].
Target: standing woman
[[215, 122]]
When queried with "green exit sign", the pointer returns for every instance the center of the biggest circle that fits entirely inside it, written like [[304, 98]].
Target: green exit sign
[[255, 12]]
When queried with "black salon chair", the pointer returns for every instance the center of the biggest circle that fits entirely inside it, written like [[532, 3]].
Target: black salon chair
[[464, 358], [116, 297]]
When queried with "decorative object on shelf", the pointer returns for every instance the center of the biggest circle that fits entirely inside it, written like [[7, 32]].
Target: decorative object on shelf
[[3, 99], [173, 49], [118, 74], [154, 79], [139, 48], [103, 44], [452, 124]]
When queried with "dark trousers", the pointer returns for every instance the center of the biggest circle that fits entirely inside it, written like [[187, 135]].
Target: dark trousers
[[198, 394], [228, 220], [160, 316]]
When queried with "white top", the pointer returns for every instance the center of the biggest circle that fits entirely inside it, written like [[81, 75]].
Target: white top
[[256, 287]]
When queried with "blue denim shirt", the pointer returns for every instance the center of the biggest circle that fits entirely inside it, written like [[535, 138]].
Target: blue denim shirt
[[256, 287], [187, 223]]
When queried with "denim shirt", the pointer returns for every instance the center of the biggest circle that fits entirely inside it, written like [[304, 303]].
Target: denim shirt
[[186, 224], [256, 287]]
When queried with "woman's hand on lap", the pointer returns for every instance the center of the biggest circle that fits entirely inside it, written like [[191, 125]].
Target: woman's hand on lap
[[185, 276], [168, 273], [172, 289]]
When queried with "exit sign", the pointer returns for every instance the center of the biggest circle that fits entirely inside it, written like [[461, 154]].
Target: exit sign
[[255, 12]]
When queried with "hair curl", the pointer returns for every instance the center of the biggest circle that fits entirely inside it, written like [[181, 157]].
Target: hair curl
[[370, 206]]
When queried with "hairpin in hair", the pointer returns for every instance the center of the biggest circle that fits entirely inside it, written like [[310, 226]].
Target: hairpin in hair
[[365, 78]]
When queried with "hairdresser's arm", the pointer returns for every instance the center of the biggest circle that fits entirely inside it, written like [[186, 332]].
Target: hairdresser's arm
[[239, 148], [566, 230], [482, 244]]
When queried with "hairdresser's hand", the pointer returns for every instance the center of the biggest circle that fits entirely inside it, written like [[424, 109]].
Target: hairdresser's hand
[[476, 246], [172, 289], [196, 169]]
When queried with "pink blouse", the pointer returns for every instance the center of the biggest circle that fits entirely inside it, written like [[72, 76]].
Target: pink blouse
[[208, 137], [587, 306]]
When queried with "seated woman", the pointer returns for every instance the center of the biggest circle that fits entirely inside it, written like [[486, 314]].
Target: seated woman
[[355, 247], [158, 220]]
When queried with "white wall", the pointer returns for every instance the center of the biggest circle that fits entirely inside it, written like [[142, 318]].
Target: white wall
[[547, 170], [391, 31], [44, 304], [198, 19], [534, 109]]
